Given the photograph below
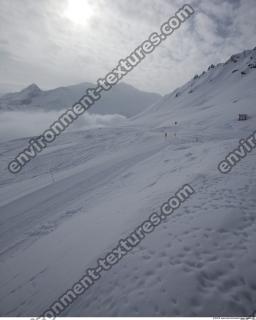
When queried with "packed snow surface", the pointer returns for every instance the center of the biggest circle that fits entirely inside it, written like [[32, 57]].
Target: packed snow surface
[[75, 201]]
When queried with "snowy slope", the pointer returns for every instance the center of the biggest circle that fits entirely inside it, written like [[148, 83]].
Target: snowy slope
[[122, 99], [72, 204], [215, 97]]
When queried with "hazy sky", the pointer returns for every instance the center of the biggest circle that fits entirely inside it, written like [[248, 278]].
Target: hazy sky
[[62, 42]]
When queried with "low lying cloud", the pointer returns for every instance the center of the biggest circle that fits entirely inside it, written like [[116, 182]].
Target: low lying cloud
[[20, 124]]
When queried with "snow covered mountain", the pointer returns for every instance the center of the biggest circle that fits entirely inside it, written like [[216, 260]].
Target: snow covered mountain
[[73, 203], [210, 100], [123, 99]]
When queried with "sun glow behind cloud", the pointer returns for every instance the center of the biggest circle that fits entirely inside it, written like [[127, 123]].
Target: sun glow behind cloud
[[81, 40], [79, 12]]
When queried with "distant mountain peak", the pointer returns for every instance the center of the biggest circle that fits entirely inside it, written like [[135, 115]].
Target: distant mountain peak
[[32, 88], [124, 99]]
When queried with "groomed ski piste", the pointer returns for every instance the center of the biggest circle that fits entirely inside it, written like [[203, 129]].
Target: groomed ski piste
[[72, 204]]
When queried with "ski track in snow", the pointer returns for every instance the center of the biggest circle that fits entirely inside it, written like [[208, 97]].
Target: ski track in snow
[[197, 256]]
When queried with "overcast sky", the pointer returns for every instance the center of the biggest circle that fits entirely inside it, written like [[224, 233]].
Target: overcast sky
[[62, 42]]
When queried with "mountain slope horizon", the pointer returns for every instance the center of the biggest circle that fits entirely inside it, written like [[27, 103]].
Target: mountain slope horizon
[[122, 99], [212, 99]]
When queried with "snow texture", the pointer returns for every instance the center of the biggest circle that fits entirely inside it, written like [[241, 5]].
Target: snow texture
[[72, 204]]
